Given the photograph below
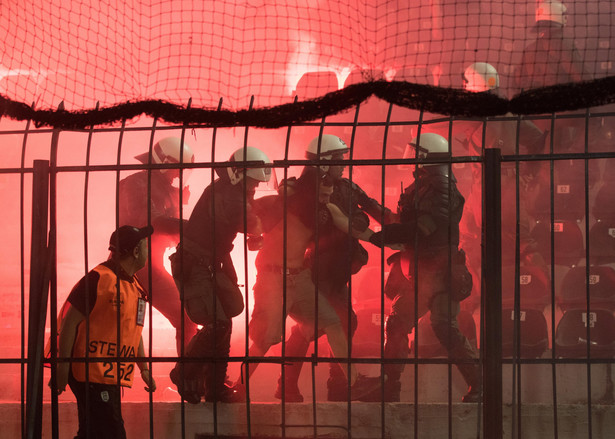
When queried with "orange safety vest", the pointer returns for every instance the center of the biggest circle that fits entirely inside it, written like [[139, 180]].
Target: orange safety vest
[[103, 331]]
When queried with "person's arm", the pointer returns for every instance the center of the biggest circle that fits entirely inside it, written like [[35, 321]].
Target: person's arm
[[146, 373], [255, 226], [403, 232], [68, 332], [135, 204], [572, 62], [532, 137], [263, 214], [341, 222], [371, 206], [254, 229]]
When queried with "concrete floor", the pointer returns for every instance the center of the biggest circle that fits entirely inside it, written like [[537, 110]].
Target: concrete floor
[[333, 420], [535, 419]]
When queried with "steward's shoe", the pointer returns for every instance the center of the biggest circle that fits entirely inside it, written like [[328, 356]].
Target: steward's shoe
[[473, 395], [292, 393], [188, 390], [225, 394], [363, 386]]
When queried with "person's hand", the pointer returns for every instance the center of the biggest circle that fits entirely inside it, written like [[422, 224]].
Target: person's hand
[[185, 194], [146, 376], [61, 378], [528, 182], [255, 242]]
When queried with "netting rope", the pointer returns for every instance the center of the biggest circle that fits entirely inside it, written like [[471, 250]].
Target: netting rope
[[445, 101]]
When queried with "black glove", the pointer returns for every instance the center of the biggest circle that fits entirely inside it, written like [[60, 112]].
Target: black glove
[[394, 233]]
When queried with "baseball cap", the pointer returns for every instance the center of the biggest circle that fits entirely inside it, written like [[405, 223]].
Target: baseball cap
[[125, 238]]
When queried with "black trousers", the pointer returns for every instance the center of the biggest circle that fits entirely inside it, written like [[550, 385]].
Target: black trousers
[[100, 412]]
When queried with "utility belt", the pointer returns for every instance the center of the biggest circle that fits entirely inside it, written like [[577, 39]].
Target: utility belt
[[278, 269], [189, 254], [460, 277]]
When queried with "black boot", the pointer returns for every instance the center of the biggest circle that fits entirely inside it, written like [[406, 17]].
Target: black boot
[[395, 346], [191, 387], [473, 395], [471, 373], [216, 389], [459, 348], [296, 346]]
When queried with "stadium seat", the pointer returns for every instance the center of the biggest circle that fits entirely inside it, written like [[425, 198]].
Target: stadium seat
[[569, 245], [602, 242], [573, 291], [568, 201], [533, 333], [571, 337], [603, 207], [534, 287]]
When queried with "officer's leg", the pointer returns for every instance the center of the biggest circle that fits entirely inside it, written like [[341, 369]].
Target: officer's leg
[[444, 324], [337, 384], [296, 346], [165, 298], [219, 334], [397, 327], [203, 308], [188, 376]]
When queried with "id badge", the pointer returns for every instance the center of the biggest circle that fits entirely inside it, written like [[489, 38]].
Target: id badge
[[141, 307]]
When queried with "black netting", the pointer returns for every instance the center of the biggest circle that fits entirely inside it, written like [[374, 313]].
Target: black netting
[[175, 60]]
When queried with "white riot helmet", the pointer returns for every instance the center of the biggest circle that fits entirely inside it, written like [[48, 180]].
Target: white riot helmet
[[480, 77], [252, 154], [551, 11], [168, 150], [429, 145], [325, 147]]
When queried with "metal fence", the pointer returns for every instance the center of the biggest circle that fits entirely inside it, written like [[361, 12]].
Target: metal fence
[[544, 282]]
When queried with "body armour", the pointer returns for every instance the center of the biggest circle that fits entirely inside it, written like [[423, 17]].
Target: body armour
[[433, 199]]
